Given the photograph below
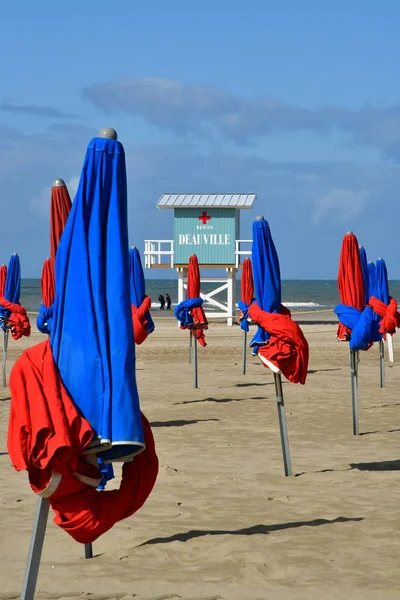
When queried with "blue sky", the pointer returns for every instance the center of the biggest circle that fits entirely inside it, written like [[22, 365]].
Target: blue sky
[[297, 101]]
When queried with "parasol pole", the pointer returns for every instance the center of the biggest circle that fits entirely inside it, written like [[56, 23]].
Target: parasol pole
[[190, 346], [88, 551], [35, 549], [5, 352], [382, 363], [244, 354], [354, 389], [389, 339], [287, 464], [195, 374]]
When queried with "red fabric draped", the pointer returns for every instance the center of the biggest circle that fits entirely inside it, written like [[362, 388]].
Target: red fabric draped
[[350, 280], [60, 207], [247, 284], [86, 513], [390, 315], [47, 436], [287, 347], [3, 277], [200, 322], [140, 322], [45, 430], [18, 321], [47, 283]]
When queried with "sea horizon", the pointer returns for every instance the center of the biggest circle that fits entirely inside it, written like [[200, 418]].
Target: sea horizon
[[299, 294]]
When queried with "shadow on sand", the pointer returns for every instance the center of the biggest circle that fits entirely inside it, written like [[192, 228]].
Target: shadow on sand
[[384, 465], [220, 400], [179, 423], [255, 530]]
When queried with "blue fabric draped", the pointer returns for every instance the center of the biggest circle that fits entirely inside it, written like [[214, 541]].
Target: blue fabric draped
[[371, 279], [364, 268], [183, 310], [107, 473], [382, 282], [45, 319], [92, 335], [244, 324], [364, 327], [138, 284], [12, 288], [266, 275]]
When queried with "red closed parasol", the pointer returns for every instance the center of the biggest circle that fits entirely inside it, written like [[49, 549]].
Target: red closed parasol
[[200, 322], [247, 284], [3, 277], [350, 280], [247, 294], [352, 293], [60, 207], [47, 283]]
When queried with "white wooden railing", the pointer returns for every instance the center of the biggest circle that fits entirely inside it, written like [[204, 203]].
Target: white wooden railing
[[239, 252], [155, 250], [161, 252]]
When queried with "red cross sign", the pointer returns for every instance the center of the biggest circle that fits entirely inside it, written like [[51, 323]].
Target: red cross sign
[[204, 218]]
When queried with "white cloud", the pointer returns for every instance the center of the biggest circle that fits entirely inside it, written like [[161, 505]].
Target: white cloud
[[40, 204], [340, 206]]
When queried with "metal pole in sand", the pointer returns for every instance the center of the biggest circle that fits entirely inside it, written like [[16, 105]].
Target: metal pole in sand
[[190, 346], [195, 374], [35, 549], [244, 352], [5, 351], [287, 464], [354, 389], [382, 363], [88, 551]]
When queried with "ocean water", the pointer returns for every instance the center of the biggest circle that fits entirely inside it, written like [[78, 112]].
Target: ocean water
[[298, 295]]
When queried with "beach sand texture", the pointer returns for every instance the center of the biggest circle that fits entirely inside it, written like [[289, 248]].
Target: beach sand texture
[[223, 521]]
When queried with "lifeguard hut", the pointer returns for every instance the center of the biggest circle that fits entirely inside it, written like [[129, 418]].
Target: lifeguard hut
[[207, 225]]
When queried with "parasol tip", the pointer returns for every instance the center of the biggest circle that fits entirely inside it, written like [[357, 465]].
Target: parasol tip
[[59, 183], [260, 218], [349, 233], [380, 258], [109, 133], [361, 247], [15, 254]]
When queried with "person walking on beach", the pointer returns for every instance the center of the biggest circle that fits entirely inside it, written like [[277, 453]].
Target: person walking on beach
[[168, 301], [161, 300]]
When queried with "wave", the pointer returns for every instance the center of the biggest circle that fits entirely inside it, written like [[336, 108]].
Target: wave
[[303, 304]]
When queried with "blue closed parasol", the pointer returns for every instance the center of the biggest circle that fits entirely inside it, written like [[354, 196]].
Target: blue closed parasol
[[381, 281], [12, 293], [364, 268], [266, 275], [267, 286], [92, 335], [382, 293], [371, 279]]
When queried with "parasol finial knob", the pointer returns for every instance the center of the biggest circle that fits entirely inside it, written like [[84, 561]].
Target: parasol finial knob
[[108, 133], [59, 183], [380, 258], [260, 218], [15, 254], [361, 247], [349, 233]]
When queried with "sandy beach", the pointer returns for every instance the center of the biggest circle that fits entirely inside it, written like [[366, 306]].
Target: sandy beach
[[223, 521]]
